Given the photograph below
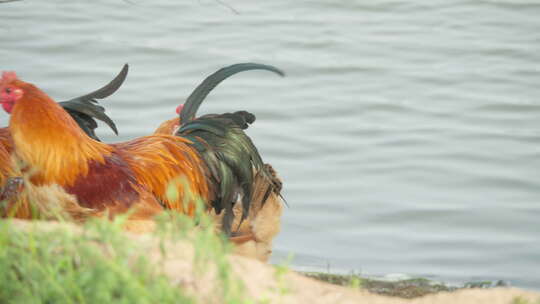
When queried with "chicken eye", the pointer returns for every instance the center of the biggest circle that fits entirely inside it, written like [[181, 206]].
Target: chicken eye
[[8, 90]]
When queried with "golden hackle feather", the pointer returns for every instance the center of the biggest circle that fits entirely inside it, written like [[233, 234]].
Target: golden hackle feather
[[158, 160], [168, 127]]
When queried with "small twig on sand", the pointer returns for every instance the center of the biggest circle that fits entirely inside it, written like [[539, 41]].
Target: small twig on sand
[[6, 1]]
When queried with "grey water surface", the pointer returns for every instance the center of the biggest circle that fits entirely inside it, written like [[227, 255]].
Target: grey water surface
[[407, 132]]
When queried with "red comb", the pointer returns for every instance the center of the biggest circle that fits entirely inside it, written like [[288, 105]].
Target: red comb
[[179, 109], [8, 77]]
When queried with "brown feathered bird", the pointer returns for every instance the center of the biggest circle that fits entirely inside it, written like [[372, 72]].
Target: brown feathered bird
[[212, 155], [253, 235], [84, 110]]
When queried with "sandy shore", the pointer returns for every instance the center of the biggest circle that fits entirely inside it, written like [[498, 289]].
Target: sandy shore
[[269, 284]]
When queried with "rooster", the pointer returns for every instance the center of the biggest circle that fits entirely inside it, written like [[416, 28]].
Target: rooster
[[252, 236], [212, 155], [83, 110]]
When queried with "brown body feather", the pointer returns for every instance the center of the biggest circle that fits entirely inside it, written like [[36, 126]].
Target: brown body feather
[[106, 183], [6, 147]]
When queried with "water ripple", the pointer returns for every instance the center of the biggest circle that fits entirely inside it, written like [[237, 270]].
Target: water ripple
[[407, 133]]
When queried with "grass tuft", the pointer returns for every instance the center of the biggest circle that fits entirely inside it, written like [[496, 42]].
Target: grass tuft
[[99, 265]]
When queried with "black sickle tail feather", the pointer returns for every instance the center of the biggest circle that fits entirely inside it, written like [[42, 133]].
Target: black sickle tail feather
[[193, 102], [231, 157], [85, 108]]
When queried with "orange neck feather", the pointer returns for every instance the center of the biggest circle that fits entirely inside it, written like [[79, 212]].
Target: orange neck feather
[[49, 141], [168, 127]]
